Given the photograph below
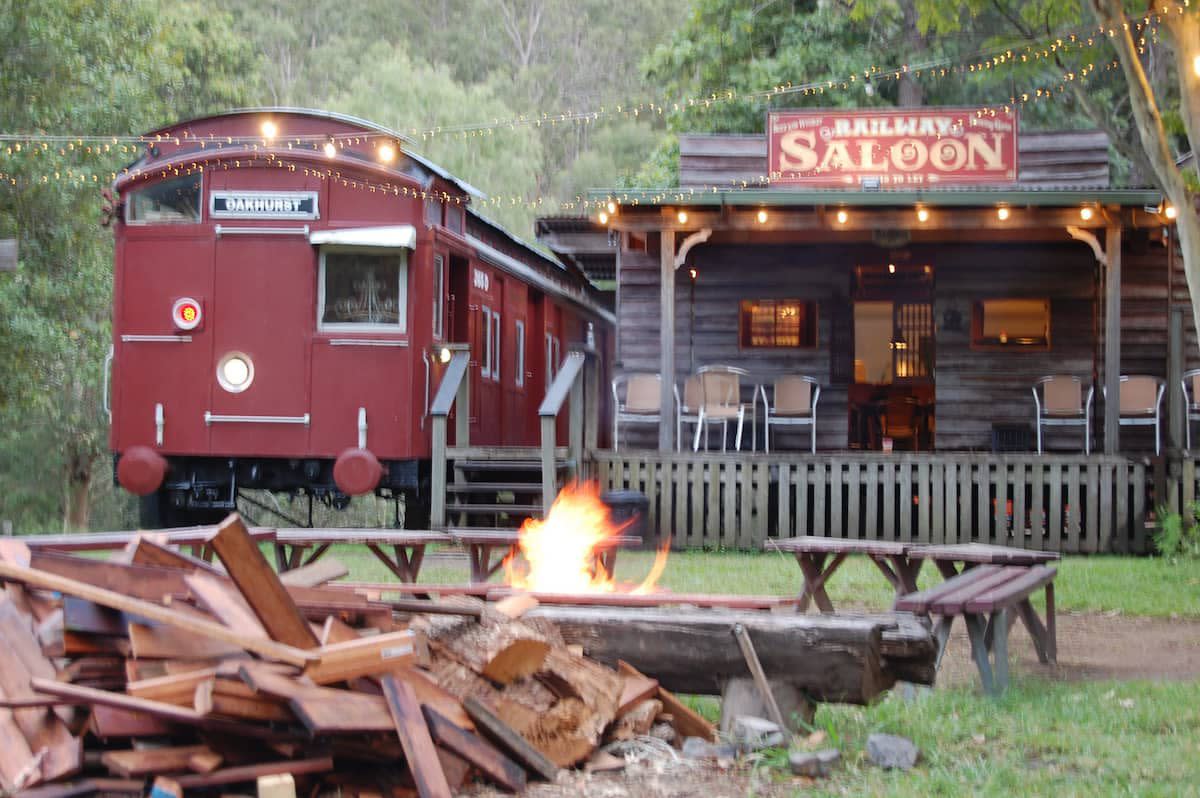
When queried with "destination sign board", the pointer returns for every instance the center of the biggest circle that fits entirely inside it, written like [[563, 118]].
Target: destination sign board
[[263, 205]]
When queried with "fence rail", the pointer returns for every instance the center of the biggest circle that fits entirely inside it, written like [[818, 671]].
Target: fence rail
[[1064, 503]]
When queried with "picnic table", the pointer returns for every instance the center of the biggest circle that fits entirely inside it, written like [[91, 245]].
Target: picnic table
[[292, 547], [194, 537], [900, 563], [483, 544]]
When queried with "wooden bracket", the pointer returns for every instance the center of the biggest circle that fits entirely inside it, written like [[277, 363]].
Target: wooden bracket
[[698, 237], [1089, 238]]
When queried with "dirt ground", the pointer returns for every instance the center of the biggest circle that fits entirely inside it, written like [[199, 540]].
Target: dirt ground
[[1091, 647]]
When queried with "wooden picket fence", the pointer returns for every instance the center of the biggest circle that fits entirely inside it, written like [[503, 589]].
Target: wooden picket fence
[[1064, 503]]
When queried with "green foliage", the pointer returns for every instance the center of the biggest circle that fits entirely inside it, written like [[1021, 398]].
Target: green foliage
[[1178, 535]]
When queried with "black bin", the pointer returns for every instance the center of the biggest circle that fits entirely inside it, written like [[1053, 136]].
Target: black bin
[[630, 506]]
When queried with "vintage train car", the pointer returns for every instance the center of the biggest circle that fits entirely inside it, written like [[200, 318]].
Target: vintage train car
[[287, 283]]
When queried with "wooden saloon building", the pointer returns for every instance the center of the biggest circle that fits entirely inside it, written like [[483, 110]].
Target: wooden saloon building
[[925, 268]]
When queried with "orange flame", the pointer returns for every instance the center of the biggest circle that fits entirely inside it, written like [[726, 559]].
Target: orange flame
[[562, 553]]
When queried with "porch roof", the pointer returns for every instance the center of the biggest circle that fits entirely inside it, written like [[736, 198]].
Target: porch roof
[[946, 197]]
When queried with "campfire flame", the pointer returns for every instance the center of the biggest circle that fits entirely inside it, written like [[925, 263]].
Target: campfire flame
[[561, 554]]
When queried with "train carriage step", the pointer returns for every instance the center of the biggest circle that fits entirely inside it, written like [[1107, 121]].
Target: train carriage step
[[510, 509], [495, 487], [510, 465]]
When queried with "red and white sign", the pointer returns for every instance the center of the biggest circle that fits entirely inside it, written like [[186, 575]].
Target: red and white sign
[[891, 148], [187, 313]]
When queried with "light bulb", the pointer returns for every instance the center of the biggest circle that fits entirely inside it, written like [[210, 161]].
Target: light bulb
[[762, 217], [269, 129], [842, 217], [330, 149], [1002, 212], [683, 217], [603, 217], [922, 215], [387, 153], [1170, 212], [1086, 213], [612, 207]]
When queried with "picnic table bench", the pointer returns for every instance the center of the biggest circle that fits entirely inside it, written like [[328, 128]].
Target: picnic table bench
[[194, 537], [292, 547], [986, 596], [900, 563], [482, 544]]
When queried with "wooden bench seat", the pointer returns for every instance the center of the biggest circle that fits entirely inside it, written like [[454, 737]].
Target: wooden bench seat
[[990, 598]]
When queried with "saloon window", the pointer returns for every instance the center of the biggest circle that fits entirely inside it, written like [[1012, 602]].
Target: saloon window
[[777, 324], [1011, 323], [170, 201], [363, 291]]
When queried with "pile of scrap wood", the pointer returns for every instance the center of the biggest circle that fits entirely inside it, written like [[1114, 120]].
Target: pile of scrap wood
[[157, 666]]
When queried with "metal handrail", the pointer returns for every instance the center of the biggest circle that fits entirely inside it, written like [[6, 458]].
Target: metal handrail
[[560, 388], [447, 390]]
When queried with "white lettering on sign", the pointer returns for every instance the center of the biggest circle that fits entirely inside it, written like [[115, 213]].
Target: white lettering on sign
[[481, 280], [263, 205]]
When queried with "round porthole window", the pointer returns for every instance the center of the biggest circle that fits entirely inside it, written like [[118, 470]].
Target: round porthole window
[[235, 372]]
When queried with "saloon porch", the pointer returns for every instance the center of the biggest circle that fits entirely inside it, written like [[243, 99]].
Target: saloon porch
[[928, 319]]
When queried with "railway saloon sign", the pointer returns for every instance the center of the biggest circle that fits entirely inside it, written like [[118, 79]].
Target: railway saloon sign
[[891, 148], [264, 205]]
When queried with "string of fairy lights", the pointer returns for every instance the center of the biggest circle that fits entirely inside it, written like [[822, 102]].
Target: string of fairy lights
[[272, 149]]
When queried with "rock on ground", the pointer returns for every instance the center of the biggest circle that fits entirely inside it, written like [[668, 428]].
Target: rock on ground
[[816, 764], [892, 751]]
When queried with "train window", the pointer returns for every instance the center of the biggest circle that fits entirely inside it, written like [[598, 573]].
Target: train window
[[553, 350], [491, 345], [362, 290], [439, 301], [171, 201], [519, 378]]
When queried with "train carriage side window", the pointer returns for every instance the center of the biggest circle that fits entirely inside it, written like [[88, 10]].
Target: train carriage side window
[[496, 346], [553, 350], [439, 301], [175, 201], [489, 357], [519, 377], [363, 290]]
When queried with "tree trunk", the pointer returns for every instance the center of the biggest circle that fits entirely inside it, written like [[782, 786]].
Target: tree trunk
[[77, 510], [846, 659], [911, 93]]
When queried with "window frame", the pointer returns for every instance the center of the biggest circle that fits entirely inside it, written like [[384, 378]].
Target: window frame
[[981, 344], [439, 298], [400, 328], [129, 197], [519, 376], [496, 321], [812, 308]]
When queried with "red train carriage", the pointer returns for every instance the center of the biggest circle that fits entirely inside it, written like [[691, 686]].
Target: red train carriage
[[285, 281]]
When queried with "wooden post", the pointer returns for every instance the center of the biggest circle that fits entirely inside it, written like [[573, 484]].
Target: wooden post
[[437, 488], [575, 419], [462, 419], [1112, 340], [666, 369], [1176, 406], [593, 395], [549, 483]]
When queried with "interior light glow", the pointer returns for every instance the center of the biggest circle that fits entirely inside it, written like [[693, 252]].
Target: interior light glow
[[1002, 213], [891, 268], [683, 217], [762, 217], [842, 217], [1170, 212], [922, 215]]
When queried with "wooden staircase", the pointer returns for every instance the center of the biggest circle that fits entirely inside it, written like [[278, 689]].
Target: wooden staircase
[[499, 487]]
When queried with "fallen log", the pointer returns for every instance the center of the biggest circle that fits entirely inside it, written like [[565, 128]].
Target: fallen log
[[832, 658]]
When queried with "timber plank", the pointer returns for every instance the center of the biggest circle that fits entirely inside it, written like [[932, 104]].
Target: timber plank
[[145, 761], [1091, 542], [938, 510], [1074, 510], [366, 656], [762, 501], [687, 723], [953, 504], [260, 586], [155, 612], [871, 502], [107, 722], [853, 501], [322, 710], [147, 551], [235, 699], [166, 642], [507, 738], [1020, 478], [315, 574], [785, 500], [175, 688], [473, 748], [802, 483], [923, 502], [905, 509], [150, 583], [251, 773], [418, 746], [890, 530], [1121, 531], [836, 530], [223, 601], [1139, 509]]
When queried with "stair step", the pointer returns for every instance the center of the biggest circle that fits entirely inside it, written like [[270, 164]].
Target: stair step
[[508, 465], [495, 487], [511, 509]]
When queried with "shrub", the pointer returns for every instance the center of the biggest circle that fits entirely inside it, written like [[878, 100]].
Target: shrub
[[1178, 535]]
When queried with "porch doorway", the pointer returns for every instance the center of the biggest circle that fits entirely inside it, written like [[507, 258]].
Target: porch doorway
[[891, 399]]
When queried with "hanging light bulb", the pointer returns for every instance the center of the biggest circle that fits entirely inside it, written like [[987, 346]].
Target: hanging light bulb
[[269, 129], [922, 215], [1170, 212], [387, 153], [683, 217], [612, 207], [603, 217], [1086, 213], [330, 149], [842, 217], [1002, 213], [762, 217]]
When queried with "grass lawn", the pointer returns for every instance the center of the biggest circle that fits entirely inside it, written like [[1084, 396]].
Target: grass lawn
[[1148, 586]]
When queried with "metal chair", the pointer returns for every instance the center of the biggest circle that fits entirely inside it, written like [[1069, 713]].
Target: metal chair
[[796, 400], [1191, 401], [642, 402], [1141, 403], [711, 396], [1061, 403]]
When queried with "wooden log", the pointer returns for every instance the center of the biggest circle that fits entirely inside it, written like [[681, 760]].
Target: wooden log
[[473, 748], [419, 751], [830, 658], [502, 650], [636, 721], [155, 612], [260, 585], [508, 739]]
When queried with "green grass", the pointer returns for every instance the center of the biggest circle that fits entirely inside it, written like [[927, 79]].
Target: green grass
[[1148, 586]]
